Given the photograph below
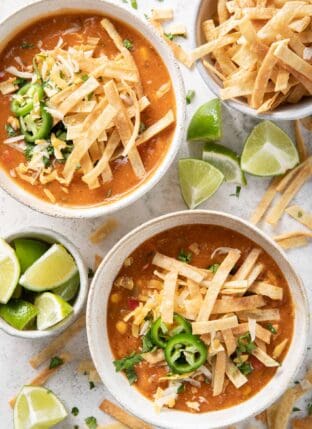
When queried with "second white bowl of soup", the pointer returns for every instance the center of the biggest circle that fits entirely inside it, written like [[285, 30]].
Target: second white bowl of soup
[[93, 107], [191, 323]]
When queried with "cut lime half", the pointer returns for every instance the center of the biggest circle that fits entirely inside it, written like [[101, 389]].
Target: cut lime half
[[225, 160], [52, 309], [19, 313], [53, 269], [28, 251], [205, 124], [198, 180], [37, 408], [268, 151], [9, 271]]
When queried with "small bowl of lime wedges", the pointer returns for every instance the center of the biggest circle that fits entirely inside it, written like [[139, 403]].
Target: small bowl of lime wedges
[[43, 283]]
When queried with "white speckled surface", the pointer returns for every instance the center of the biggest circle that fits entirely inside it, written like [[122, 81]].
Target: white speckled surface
[[73, 388]]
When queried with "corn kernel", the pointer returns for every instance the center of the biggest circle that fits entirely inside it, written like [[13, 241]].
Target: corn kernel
[[121, 327], [115, 298]]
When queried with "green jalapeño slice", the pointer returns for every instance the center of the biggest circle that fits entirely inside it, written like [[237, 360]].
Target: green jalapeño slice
[[160, 332], [185, 353]]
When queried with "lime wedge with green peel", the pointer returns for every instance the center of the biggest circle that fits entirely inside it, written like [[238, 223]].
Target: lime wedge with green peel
[[9, 271], [19, 314], [206, 122], [268, 151], [198, 180], [52, 309], [17, 291], [225, 160], [37, 408], [70, 289], [54, 268], [28, 251]]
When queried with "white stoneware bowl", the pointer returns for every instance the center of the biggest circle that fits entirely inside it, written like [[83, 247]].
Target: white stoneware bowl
[[50, 236], [102, 356], [43, 8], [287, 112]]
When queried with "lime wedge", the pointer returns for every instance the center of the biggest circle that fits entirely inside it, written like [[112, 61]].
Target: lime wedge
[[37, 408], [9, 271], [17, 292], [52, 310], [28, 251], [268, 151], [206, 122], [225, 160], [70, 289], [53, 269], [19, 314], [198, 180]]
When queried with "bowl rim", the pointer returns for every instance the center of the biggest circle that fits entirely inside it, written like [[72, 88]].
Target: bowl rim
[[52, 237], [92, 321], [173, 68], [293, 112]]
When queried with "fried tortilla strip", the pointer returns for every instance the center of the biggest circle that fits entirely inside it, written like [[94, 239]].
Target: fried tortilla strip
[[293, 242], [265, 202], [168, 295], [277, 211], [302, 149], [247, 266], [263, 76], [185, 270], [156, 128], [103, 162], [119, 414], [300, 215], [266, 289], [85, 89], [234, 374], [263, 357], [279, 348], [219, 373], [282, 81], [282, 409], [58, 343], [200, 328], [217, 282], [44, 375], [116, 38], [98, 126], [229, 340], [288, 57], [232, 304], [209, 47], [223, 13], [162, 14], [254, 274], [292, 234], [283, 183], [261, 333], [103, 230], [124, 127], [263, 315], [213, 69]]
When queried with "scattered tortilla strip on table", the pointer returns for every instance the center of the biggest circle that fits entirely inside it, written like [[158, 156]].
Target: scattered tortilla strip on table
[[288, 177], [300, 215], [265, 202], [58, 343], [301, 146], [119, 414], [162, 14]]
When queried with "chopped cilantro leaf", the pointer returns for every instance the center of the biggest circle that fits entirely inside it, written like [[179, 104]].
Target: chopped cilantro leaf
[[19, 81], [244, 344], [237, 192], [214, 268], [185, 256], [245, 368], [181, 389], [134, 4], [128, 44], [310, 409], [10, 130], [127, 365], [91, 385], [26, 45], [271, 328], [84, 77], [147, 344], [189, 96], [91, 422], [169, 36], [295, 409], [300, 214], [75, 411], [28, 151], [90, 273], [55, 362]]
